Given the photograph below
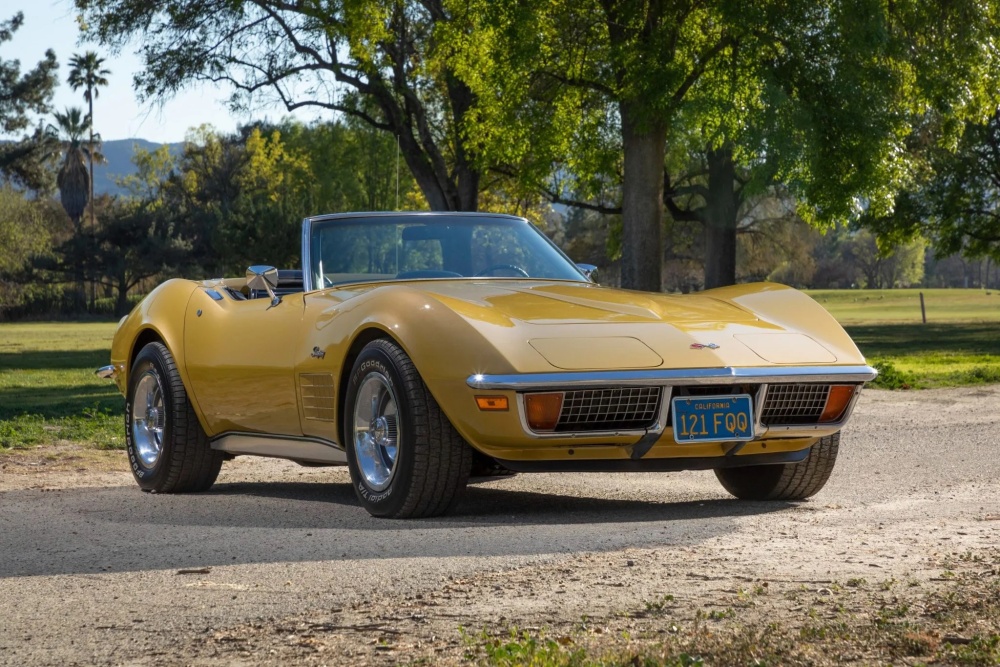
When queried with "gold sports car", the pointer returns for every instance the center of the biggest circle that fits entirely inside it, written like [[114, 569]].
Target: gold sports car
[[417, 348]]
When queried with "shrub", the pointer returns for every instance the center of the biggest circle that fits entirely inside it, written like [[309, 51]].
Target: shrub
[[890, 377]]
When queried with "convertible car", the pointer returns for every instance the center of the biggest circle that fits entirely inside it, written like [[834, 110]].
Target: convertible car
[[417, 348]]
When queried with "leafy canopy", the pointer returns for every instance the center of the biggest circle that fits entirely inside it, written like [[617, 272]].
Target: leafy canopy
[[22, 97]]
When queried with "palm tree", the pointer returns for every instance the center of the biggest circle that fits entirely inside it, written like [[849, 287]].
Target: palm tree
[[68, 137], [69, 133], [86, 72]]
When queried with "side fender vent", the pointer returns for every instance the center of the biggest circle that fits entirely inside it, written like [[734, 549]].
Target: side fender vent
[[317, 396]]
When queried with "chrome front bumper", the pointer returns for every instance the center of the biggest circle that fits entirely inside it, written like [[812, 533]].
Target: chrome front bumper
[[668, 378], [106, 372], [684, 376]]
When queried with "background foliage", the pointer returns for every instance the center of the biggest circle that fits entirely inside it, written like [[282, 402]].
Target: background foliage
[[678, 145]]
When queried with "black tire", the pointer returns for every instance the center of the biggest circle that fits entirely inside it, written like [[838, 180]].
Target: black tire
[[786, 481], [185, 462], [432, 461]]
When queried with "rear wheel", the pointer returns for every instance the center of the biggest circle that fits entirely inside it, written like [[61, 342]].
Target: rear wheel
[[167, 448], [405, 457], [786, 481]]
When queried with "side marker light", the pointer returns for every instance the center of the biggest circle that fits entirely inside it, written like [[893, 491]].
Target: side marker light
[[495, 403]]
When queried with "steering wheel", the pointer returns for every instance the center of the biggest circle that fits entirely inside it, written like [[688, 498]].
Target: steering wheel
[[502, 267]]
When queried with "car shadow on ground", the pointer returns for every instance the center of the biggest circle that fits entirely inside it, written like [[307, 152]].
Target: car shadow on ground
[[120, 529], [483, 505]]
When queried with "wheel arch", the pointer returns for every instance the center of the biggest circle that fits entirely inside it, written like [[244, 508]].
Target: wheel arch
[[361, 339], [144, 337]]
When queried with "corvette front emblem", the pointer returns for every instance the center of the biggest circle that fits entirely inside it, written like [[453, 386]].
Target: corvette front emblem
[[703, 346]]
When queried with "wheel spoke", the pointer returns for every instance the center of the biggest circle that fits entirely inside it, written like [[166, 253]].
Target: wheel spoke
[[148, 419], [376, 434]]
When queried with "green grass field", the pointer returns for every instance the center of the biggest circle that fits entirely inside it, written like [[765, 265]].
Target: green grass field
[[49, 393], [903, 305], [959, 345], [48, 390]]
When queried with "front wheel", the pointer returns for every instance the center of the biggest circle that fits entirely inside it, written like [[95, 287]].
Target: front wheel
[[785, 481], [167, 448], [405, 457]]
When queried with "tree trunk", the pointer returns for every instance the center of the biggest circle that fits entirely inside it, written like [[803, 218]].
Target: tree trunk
[[90, 156], [80, 292], [642, 203], [121, 303], [721, 210], [434, 191], [446, 187], [465, 174]]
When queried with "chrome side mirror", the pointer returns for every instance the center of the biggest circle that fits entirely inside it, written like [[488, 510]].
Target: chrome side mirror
[[588, 270], [265, 278]]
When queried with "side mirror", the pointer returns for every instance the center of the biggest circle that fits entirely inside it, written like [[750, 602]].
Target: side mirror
[[588, 270], [265, 278]]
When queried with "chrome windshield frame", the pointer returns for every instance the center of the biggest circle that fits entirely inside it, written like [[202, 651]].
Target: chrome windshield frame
[[308, 280]]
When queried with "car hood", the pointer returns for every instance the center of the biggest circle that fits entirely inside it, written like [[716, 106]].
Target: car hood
[[579, 326], [507, 302]]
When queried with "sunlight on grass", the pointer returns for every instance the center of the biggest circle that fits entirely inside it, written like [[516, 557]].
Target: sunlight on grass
[[932, 355], [48, 390], [903, 305]]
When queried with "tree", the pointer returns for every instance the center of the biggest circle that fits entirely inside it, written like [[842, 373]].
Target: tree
[[136, 240], [375, 60], [592, 87], [959, 205], [21, 96], [29, 229], [73, 180], [900, 266], [22, 230], [273, 186], [816, 97], [87, 72]]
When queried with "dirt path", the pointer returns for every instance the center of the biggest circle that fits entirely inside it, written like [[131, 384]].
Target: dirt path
[[282, 565]]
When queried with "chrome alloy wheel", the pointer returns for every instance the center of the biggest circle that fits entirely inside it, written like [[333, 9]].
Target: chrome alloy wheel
[[149, 417], [376, 431]]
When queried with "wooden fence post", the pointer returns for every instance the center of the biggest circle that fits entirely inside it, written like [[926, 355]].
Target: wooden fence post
[[923, 311]]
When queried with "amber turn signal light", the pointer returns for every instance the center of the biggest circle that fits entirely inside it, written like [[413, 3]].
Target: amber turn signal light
[[543, 410], [491, 402], [836, 402]]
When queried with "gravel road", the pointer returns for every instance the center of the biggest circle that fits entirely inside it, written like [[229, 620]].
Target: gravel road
[[94, 572]]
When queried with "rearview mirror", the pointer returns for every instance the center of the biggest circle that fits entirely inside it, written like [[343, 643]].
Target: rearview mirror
[[265, 278], [588, 270]]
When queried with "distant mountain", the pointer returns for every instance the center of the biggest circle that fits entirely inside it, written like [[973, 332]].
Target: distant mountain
[[119, 162]]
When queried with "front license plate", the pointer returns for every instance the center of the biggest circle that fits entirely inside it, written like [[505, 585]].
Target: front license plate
[[712, 418]]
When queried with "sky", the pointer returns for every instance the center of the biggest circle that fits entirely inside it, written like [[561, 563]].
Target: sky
[[118, 114]]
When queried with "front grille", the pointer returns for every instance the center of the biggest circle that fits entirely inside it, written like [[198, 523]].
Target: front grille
[[715, 390], [621, 408], [790, 404]]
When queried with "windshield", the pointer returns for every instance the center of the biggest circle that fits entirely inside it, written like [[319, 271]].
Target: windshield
[[360, 249]]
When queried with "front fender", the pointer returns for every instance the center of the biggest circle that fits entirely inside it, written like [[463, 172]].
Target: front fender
[[443, 346], [161, 314], [792, 310]]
